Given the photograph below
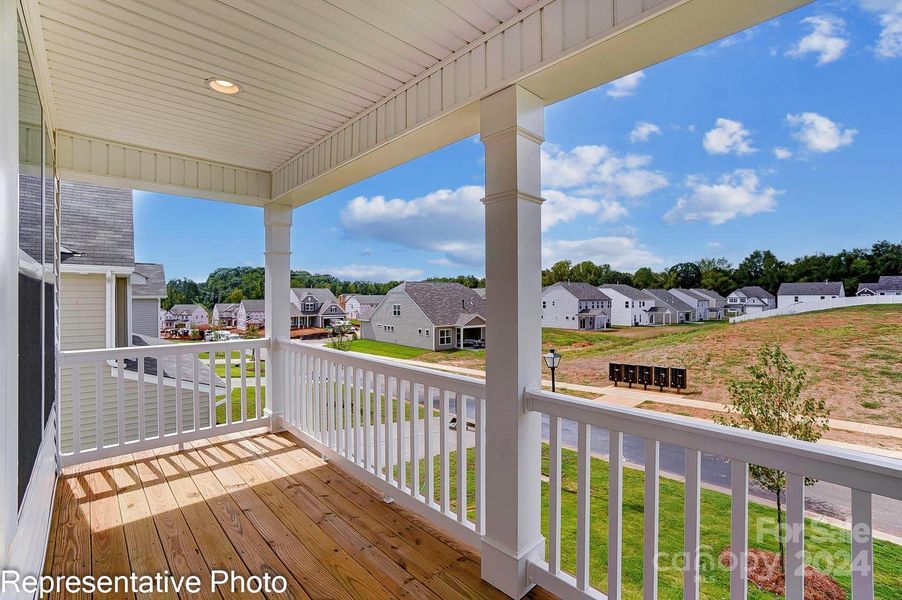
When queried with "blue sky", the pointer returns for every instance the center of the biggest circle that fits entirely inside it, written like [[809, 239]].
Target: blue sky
[[784, 137]]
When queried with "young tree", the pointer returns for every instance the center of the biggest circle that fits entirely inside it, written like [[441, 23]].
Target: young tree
[[340, 336], [770, 401]]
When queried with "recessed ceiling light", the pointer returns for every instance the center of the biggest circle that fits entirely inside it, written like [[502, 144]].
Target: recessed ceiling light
[[223, 86]]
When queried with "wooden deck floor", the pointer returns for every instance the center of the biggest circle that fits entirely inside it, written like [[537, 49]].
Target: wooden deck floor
[[253, 504]]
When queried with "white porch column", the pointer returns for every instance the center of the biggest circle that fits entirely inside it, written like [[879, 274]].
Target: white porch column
[[277, 222], [512, 129]]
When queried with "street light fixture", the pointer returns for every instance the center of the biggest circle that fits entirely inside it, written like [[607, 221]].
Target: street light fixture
[[552, 360]]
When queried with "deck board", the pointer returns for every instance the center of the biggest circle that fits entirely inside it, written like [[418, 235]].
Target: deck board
[[253, 503]]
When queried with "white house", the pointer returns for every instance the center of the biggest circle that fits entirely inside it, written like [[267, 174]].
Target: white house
[[189, 315], [700, 302], [575, 306], [888, 285], [359, 306], [250, 312], [796, 293], [225, 314], [628, 305], [148, 284], [717, 304], [749, 299], [314, 307]]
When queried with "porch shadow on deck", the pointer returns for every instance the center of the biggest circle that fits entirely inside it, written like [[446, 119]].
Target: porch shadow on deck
[[253, 503]]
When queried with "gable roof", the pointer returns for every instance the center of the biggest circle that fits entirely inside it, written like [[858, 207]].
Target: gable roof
[[480, 291], [367, 298], [224, 308], [323, 295], [621, 288], [693, 294], [97, 224], [891, 282], [719, 301], [185, 309], [443, 303], [254, 305], [754, 291], [580, 291], [814, 288], [669, 299], [155, 286]]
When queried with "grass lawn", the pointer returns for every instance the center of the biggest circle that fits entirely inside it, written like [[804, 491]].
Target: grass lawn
[[236, 355], [249, 368], [236, 404], [386, 349], [827, 548]]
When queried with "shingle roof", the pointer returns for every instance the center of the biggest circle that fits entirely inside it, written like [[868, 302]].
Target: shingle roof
[[693, 294], [582, 291], [367, 298], [323, 295], [156, 280], [225, 308], [719, 301], [181, 309], [480, 291], [444, 302], [97, 223], [754, 291], [814, 288], [893, 282], [254, 305], [669, 299], [627, 290]]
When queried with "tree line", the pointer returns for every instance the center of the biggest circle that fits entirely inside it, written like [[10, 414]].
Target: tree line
[[761, 268]]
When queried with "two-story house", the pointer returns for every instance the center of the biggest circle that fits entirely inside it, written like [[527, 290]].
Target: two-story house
[[359, 306], [749, 299], [717, 305], [888, 285], [314, 307], [798, 293], [575, 306], [250, 313], [700, 302], [427, 314], [667, 305], [225, 314], [148, 290], [629, 306], [189, 315]]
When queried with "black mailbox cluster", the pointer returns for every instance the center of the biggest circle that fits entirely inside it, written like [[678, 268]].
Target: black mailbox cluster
[[644, 375]]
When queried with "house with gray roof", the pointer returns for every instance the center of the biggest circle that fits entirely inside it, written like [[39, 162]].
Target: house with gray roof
[[749, 299], [428, 314], [629, 306], [717, 305], [888, 285], [700, 302], [225, 314], [359, 306], [189, 315], [250, 313], [567, 305], [813, 291], [314, 307], [148, 290], [667, 306]]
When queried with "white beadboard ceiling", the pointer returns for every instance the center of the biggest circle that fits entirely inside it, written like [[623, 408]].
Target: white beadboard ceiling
[[134, 71]]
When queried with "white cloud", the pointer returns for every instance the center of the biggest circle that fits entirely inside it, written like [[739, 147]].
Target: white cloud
[[735, 194], [560, 207], [728, 137], [621, 252], [827, 39], [714, 245], [441, 262], [818, 133], [643, 130], [782, 153], [625, 86], [373, 272], [889, 13], [599, 171]]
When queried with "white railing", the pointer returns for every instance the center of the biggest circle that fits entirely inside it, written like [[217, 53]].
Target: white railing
[[815, 305], [415, 434], [864, 474], [119, 400]]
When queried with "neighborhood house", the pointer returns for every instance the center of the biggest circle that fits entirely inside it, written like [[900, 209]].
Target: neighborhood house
[[575, 306], [225, 314], [668, 309], [700, 302], [189, 315], [314, 307], [628, 305], [749, 299], [148, 289], [359, 306], [888, 285], [717, 305], [429, 315], [795, 293], [250, 313]]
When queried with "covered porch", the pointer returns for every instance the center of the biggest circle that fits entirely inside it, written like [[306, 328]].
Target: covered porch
[[309, 109]]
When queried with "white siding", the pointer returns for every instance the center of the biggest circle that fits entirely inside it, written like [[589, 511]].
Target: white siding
[[146, 316], [82, 311], [559, 308], [408, 329]]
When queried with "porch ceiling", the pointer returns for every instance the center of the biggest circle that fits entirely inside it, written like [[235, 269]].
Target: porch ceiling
[[333, 91]]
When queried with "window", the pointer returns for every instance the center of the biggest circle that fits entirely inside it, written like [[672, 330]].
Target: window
[[444, 337], [428, 332], [309, 306], [795, 298], [396, 310], [419, 332], [626, 304], [544, 304], [822, 297]]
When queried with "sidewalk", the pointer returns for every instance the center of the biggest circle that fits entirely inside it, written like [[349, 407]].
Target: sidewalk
[[624, 396]]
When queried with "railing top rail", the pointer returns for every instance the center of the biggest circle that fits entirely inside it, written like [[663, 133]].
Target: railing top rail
[[87, 356], [469, 386], [867, 472]]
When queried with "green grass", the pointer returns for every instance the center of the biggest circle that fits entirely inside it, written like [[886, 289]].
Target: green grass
[[236, 355], [236, 404], [235, 370], [386, 349], [825, 545]]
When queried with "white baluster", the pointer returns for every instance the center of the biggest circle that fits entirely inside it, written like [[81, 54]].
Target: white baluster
[[98, 401], [377, 428], [196, 397], [583, 505], [399, 453], [258, 362], [862, 547], [349, 423], [76, 410], [120, 401], [213, 377], [444, 452], [367, 419], [692, 513], [228, 384], [390, 385], [141, 417], [795, 536], [461, 407], [415, 396], [178, 396], [429, 444], [650, 516], [554, 495], [739, 529], [480, 465], [615, 513]]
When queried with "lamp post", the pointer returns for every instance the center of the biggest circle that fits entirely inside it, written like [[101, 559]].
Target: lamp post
[[552, 360]]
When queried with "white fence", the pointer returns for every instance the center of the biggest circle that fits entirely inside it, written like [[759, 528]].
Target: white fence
[[827, 304], [119, 400]]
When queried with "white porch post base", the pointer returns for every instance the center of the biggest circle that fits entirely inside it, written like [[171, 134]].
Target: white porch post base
[[277, 286], [512, 129]]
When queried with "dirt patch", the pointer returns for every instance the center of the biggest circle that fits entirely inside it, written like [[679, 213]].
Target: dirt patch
[[766, 572]]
